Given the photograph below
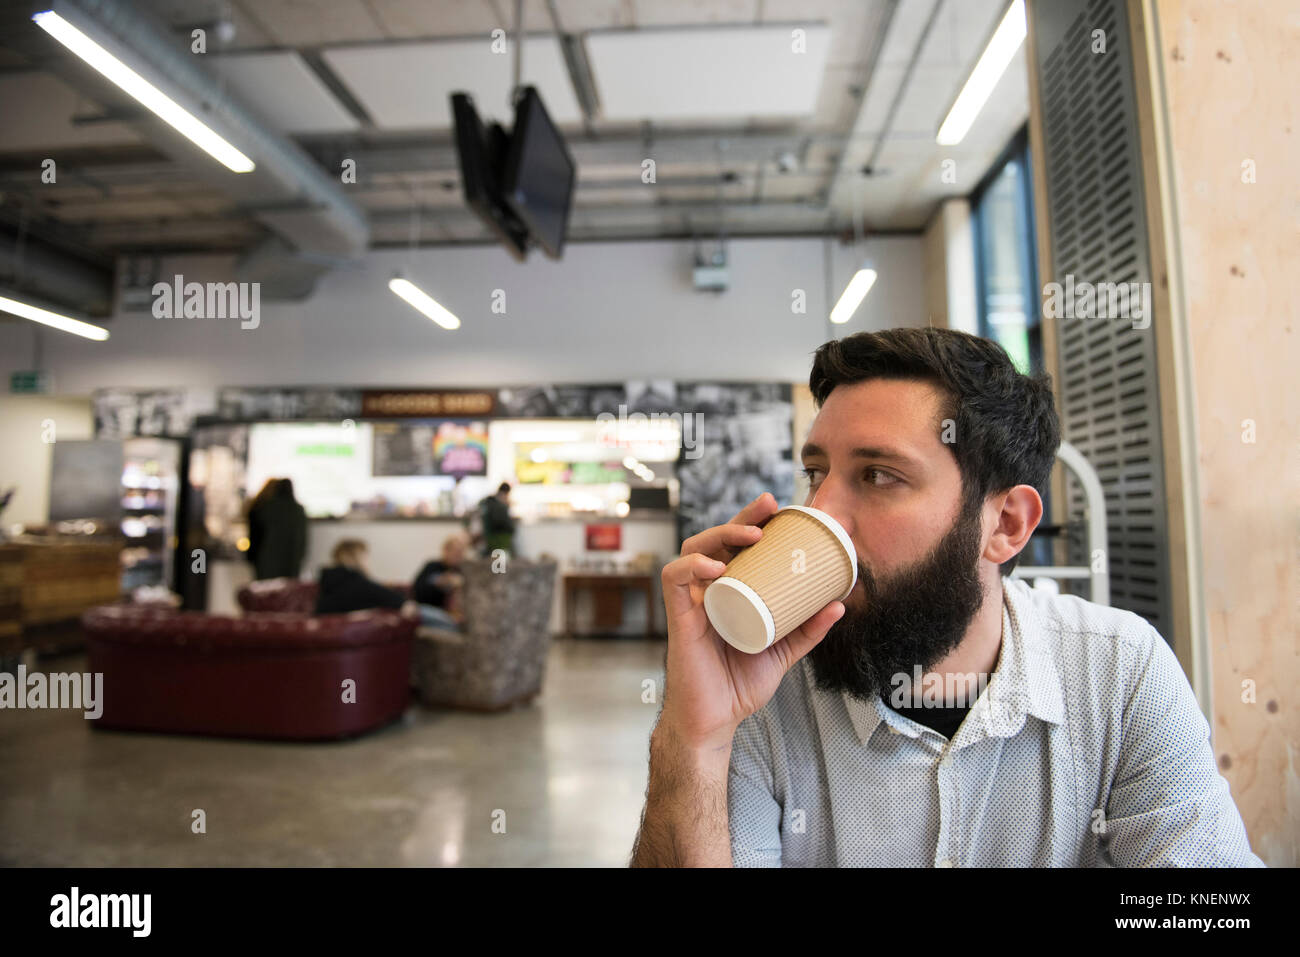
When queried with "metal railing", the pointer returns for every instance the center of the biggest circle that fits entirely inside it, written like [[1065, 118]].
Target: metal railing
[[1097, 571]]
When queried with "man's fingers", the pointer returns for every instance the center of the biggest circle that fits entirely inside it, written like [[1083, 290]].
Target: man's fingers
[[680, 574], [756, 511], [806, 637], [722, 541]]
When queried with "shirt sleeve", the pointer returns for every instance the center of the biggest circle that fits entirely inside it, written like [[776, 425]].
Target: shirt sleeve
[[753, 813], [1168, 805]]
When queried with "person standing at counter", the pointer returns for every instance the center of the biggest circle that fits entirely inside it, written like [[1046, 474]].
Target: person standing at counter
[[277, 531], [498, 525]]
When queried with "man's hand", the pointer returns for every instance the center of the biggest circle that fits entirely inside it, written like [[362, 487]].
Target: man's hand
[[711, 687]]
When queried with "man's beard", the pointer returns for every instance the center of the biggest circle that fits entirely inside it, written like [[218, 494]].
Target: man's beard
[[914, 617]]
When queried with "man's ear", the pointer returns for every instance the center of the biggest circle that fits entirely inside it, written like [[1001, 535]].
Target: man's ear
[[1018, 512]]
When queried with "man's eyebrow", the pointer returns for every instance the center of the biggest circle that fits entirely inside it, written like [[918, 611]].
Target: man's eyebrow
[[862, 452]]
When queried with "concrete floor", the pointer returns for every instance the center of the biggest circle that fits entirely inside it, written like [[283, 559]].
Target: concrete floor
[[569, 772]]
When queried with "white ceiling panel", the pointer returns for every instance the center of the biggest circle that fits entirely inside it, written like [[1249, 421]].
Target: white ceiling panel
[[655, 13], [281, 88], [303, 23], [707, 73], [408, 86]]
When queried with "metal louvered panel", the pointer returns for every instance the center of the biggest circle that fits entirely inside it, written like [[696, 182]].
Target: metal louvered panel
[[1109, 397]]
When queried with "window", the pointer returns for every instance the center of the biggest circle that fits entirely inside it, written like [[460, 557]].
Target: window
[[1006, 270], [1007, 294]]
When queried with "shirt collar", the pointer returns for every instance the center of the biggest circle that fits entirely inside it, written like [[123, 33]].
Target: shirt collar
[[1025, 680]]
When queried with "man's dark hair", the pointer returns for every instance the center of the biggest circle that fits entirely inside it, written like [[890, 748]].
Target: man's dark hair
[[1006, 431], [503, 487]]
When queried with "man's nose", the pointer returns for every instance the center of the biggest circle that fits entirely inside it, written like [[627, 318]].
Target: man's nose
[[834, 499]]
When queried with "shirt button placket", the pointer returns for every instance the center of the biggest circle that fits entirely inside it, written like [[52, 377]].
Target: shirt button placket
[[947, 811]]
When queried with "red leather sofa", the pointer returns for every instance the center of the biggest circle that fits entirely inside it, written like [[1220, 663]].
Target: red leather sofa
[[278, 594], [264, 676], [288, 594]]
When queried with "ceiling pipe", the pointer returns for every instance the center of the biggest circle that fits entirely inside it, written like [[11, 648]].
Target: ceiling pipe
[[27, 264]]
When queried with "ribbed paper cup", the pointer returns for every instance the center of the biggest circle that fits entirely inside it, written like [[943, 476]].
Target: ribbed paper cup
[[804, 561]]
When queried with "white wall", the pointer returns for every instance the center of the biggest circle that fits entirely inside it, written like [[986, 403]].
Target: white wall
[[398, 548], [607, 312], [25, 454]]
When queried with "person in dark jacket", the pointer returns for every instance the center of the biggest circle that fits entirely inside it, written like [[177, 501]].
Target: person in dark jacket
[[438, 581], [438, 585], [498, 525], [277, 531], [347, 585]]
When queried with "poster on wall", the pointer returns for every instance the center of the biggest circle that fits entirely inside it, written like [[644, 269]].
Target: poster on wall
[[604, 538], [460, 448]]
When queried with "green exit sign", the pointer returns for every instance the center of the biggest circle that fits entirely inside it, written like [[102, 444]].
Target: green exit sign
[[32, 381]]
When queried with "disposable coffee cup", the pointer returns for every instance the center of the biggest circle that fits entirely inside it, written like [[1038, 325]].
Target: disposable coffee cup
[[804, 561]]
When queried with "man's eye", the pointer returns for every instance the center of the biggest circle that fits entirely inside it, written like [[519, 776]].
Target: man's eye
[[877, 478]]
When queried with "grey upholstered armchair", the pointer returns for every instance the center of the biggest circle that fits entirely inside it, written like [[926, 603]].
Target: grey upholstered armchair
[[499, 658]]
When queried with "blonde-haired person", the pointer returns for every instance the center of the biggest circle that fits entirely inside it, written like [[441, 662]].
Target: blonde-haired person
[[438, 585], [347, 586]]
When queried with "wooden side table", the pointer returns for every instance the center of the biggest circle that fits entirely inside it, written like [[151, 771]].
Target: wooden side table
[[607, 591]]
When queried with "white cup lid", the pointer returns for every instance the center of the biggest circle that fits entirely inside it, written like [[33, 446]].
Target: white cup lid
[[739, 615]]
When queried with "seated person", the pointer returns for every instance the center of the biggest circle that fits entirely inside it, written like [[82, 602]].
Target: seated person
[[347, 586], [437, 585]]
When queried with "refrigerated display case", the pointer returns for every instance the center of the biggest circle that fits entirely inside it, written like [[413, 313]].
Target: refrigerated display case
[[150, 494]]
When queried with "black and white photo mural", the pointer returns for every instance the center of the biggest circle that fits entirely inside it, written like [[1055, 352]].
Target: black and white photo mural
[[738, 444]]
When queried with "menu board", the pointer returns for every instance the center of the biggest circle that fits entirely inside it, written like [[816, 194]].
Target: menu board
[[402, 448], [455, 448]]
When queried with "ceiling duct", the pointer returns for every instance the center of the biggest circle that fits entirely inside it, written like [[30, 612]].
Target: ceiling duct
[[316, 224], [30, 265]]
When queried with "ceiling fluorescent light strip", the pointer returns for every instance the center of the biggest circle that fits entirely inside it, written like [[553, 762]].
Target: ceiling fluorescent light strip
[[163, 106], [53, 319], [423, 302], [853, 295], [979, 86]]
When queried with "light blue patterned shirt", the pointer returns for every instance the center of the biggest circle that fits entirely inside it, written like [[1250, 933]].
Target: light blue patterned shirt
[[1086, 749]]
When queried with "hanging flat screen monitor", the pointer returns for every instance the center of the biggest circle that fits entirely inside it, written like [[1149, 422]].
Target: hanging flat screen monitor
[[538, 175], [481, 152]]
